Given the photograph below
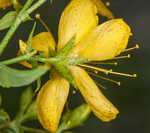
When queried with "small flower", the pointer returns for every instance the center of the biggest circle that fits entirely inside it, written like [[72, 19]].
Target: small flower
[[93, 41], [5, 3]]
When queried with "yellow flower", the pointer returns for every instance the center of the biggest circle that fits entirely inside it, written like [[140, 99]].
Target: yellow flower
[[5, 3], [93, 41]]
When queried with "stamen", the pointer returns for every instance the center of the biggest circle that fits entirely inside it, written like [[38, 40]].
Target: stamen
[[73, 92], [107, 3], [102, 86], [136, 47], [105, 63], [113, 81], [124, 74], [108, 71], [96, 68], [122, 57], [37, 16]]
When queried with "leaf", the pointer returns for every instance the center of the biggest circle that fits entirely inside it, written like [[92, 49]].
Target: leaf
[[7, 20], [75, 118], [67, 48], [25, 99], [0, 99], [31, 113], [10, 77], [51, 2], [3, 116]]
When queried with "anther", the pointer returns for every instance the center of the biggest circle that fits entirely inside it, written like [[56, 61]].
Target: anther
[[136, 47], [73, 92], [107, 3], [37, 16], [68, 122]]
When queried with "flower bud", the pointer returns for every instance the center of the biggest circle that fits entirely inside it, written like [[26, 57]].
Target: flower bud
[[79, 17], [107, 40], [98, 103], [50, 102]]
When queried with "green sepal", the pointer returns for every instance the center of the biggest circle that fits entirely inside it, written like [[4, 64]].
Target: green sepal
[[10, 77], [76, 61], [29, 42], [65, 72], [7, 20], [4, 116], [67, 48], [17, 5], [52, 52], [16, 127]]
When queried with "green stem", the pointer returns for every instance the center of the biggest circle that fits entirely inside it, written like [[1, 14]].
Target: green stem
[[4, 125], [52, 60], [23, 14], [33, 130], [18, 59]]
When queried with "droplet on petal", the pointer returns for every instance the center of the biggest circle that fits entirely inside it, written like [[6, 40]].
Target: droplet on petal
[[50, 102], [79, 17]]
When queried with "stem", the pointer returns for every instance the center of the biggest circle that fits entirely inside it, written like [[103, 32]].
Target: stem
[[20, 18], [52, 60], [4, 125], [33, 130], [35, 6], [18, 59]]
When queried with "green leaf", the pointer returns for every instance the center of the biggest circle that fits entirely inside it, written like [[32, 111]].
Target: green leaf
[[67, 48], [3, 116], [29, 42], [75, 118], [7, 20], [25, 99], [0, 99], [10, 77], [51, 2], [31, 113]]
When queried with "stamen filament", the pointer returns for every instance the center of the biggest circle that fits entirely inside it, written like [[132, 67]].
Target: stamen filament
[[136, 47], [96, 68], [113, 81], [123, 74], [37, 16], [102, 86], [122, 57], [105, 63]]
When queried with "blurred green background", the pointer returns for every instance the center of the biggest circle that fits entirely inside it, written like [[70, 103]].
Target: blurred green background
[[132, 98]]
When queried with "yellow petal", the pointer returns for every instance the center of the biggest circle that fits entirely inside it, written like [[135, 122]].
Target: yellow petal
[[50, 102], [40, 42], [98, 103], [103, 10], [5, 3], [79, 17], [105, 41]]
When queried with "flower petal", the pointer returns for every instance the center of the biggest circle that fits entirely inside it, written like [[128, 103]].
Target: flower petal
[[50, 102], [40, 42], [99, 104], [105, 41], [5, 3], [79, 17]]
